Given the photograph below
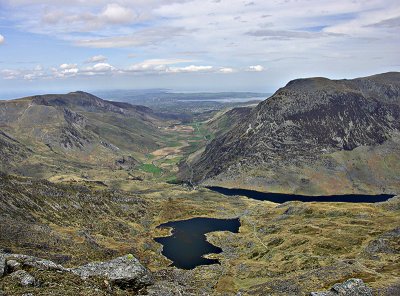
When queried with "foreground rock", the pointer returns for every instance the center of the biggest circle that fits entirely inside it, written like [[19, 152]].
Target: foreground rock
[[31, 261], [23, 278], [126, 272], [351, 287]]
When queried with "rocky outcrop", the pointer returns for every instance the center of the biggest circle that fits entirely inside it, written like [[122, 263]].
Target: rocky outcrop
[[23, 278], [35, 262], [387, 243], [13, 265], [351, 287], [74, 118], [126, 272], [127, 162]]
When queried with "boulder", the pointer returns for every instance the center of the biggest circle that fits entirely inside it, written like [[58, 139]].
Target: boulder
[[125, 272], [351, 287], [24, 278], [13, 265]]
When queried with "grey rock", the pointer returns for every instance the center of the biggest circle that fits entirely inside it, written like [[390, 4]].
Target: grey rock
[[39, 263], [297, 210], [13, 265], [351, 287], [126, 272], [127, 162], [379, 245], [387, 243], [24, 278]]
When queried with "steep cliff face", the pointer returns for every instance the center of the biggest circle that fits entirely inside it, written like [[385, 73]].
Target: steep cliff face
[[300, 126]]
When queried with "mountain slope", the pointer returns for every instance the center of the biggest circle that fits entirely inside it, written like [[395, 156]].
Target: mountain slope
[[312, 136], [76, 128]]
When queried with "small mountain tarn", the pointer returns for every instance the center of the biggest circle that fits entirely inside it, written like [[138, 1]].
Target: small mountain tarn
[[187, 244]]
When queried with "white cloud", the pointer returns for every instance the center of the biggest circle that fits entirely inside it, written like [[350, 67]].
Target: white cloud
[[117, 14], [1, 39], [9, 74], [97, 59], [30, 74], [68, 66], [99, 68], [156, 65], [65, 70], [70, 71], [256, 68], [226, 70], [189, 69], [164, 66]]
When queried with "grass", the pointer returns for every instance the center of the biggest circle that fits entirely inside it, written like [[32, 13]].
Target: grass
[[149, 156], [150, 168]]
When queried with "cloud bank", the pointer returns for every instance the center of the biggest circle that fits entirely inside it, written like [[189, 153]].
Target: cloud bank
[[282, 39]]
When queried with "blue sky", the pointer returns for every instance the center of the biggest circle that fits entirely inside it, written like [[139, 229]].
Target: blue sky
[[199, 45]]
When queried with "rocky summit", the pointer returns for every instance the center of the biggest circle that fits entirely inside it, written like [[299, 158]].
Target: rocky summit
[[313, 136]]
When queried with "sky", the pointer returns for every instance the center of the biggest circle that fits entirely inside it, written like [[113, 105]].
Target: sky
[[192, 45]]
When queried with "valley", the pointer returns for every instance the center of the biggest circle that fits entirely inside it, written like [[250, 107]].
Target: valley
[[310, 179], [199, 148]]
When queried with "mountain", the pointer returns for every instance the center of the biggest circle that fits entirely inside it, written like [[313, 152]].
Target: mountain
[[40, 134], [313, 136], [226, 119]]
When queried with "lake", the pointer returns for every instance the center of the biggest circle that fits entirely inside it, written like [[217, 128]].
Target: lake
[[281, 198], [187, 245]]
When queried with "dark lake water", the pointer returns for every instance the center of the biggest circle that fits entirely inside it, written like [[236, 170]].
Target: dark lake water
[[281, 198], [187, 244]]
